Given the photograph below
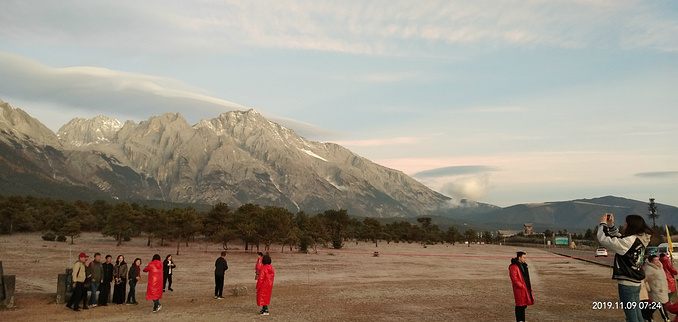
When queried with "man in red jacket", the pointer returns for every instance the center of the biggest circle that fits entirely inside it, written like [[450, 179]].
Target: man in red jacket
[[522, 289]]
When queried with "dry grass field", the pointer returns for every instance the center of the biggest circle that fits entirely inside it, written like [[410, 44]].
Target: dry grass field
[[407, 282]]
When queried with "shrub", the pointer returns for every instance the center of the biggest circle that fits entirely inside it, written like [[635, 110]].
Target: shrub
[[337, 243], [49, 236], [61, 238], [304, 242]]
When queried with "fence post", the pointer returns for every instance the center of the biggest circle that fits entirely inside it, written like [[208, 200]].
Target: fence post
[[2, 287], [61, 289], [9, 281]]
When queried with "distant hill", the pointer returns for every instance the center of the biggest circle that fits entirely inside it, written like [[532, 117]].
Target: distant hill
[[575, 215]]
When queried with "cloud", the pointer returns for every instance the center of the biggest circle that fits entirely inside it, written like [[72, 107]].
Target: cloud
[[459, 182], [658, 174], [381, 142], [382, 27], [497, 109], [389, 77], [453, 171], [130, 95], [468, 187], [78, 86]]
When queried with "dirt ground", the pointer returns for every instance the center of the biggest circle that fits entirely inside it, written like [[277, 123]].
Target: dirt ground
[[406, 282]]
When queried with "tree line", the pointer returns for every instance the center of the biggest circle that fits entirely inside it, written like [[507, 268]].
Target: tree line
[[249, 224]]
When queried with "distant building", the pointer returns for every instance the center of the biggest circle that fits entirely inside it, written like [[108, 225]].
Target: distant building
[[507, 233], [529, 230]]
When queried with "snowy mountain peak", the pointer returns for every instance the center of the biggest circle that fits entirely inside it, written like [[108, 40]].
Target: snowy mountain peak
[[238, 157], [80, 132]]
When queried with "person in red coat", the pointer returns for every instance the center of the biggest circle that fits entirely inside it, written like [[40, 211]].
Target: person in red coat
[[265, 284], [672, 308], [670, 273], [154, 288], [522, 288]]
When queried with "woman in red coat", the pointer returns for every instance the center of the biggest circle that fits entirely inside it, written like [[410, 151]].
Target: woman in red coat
[[265, 284], [154, 289], [522, 288], [670, 273]]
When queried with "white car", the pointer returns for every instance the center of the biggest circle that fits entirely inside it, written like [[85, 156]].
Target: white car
[[663, 248], [601, 251]]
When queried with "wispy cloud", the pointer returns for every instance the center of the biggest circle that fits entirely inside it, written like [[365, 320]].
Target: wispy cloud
[[132, 96], [496, 109], [389, 77], [382, 27], [650, 133], [658, 174], [454, 171], [380, 142]]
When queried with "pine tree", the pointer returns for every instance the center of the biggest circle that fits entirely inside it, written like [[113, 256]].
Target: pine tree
[[653, 213]]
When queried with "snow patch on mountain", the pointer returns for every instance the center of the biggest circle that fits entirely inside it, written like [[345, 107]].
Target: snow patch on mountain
[[336, 185], [311, 153]]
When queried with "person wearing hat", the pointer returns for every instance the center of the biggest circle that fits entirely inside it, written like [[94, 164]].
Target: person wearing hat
[[79, 274]]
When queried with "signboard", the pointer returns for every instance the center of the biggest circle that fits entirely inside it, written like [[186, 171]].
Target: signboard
[[562, 240]]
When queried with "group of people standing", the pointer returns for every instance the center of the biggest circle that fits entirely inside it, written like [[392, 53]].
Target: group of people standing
[[636, 273], [659, 285], [263, 274], [652, 276], [629, 258], [96, 276]]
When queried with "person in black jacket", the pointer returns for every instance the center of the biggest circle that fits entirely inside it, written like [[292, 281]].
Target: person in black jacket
[[220, 267], [167, 267], [105, 288]]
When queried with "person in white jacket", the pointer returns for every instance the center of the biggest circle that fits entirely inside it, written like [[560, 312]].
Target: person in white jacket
[[656, 285], [628, 260]]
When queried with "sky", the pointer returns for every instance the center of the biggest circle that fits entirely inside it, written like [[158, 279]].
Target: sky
[[502, 102]]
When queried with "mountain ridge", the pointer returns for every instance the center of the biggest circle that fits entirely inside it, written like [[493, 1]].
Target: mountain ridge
[[241, 157], [574, 215], [238, 157]]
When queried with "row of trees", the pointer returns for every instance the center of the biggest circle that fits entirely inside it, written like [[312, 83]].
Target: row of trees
[[250, 224]]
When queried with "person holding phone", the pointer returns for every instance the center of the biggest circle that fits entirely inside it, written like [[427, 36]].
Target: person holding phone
[[628, 260]]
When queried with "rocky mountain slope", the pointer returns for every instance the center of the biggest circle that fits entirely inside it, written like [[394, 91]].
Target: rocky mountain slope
[[238, 157]]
